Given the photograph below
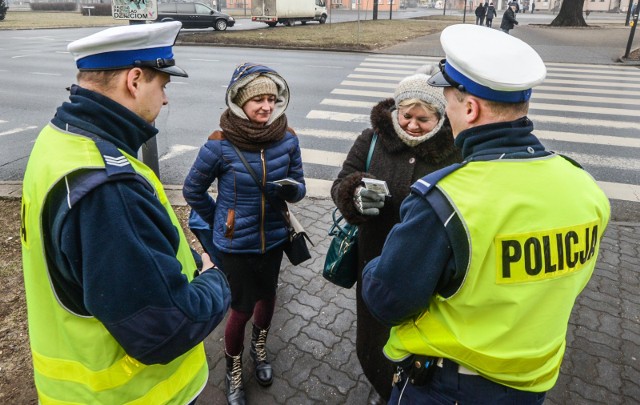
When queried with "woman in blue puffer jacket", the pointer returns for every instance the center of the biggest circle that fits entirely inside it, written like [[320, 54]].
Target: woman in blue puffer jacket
[[249, 231]]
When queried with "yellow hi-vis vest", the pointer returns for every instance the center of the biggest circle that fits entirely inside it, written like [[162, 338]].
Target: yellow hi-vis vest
[[75, 359], [534, 229]]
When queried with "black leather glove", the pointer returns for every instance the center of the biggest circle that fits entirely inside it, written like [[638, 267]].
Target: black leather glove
[[288, 191], [282, 192], [367, 202]]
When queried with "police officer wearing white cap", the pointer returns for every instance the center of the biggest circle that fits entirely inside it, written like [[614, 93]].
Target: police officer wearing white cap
[[115, 313], [480, 276]]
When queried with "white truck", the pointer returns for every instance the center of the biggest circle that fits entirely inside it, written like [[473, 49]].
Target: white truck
[[287, 12]]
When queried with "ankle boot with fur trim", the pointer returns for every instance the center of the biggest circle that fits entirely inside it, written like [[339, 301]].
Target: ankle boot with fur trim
[[235, 387], [258, 352]]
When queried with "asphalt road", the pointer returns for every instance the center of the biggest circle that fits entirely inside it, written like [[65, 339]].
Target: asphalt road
[[588, 112]]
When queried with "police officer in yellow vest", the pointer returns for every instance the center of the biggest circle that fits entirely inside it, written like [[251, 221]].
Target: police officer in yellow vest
[[480, 276], [115, 313]]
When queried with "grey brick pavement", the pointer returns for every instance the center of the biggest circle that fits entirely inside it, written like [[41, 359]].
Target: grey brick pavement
[[313, 332], [312, 338]]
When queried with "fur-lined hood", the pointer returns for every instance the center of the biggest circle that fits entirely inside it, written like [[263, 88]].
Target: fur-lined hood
[[245, 73], [435, 149]]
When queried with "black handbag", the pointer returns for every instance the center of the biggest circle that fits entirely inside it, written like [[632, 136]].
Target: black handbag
[[296, 247], [341, 262]]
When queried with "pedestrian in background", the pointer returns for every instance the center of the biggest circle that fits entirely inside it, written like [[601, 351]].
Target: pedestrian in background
[[413, 139], [533, 6], [480, 276], [509, 18], [480, 12], [114, 309], [249, 230], [491, 13]]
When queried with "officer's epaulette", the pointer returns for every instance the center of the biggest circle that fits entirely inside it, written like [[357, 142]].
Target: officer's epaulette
[[425, 184]]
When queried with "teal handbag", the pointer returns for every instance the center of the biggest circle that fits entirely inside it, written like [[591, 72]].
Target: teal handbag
[[341, 263]]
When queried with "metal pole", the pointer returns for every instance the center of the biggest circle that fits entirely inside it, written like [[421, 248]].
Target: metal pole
[[150, 155], [390, 8], [626, 21], [464, 13], [631, 34], [444, 8]]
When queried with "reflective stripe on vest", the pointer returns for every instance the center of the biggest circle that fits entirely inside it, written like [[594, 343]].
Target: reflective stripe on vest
[[76, 360], [509, 318]]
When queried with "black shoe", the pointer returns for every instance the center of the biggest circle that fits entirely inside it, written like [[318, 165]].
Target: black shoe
[[234, 385], [258, 352]]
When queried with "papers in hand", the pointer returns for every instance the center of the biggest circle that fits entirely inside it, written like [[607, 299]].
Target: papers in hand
[[286, 181], [377, 186]]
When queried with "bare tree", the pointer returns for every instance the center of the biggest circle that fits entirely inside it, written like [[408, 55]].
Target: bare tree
[[570, 15]]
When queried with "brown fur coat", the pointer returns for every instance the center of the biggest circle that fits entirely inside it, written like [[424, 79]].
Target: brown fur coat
[[400, 166]]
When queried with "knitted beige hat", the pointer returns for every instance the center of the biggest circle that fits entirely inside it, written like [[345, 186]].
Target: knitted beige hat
[[257, 87], [417, 86]]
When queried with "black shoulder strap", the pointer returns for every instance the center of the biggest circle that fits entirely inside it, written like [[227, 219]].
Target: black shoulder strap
[[426, 187], [285, 215]]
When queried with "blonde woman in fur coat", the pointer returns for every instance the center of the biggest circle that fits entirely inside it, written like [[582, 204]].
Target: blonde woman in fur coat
[[413, 139]]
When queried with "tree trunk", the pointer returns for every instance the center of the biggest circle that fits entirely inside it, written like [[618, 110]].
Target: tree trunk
[[570, 15], [375, 9]]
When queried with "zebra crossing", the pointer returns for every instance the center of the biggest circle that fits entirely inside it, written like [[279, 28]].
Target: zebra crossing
[[587, 112]]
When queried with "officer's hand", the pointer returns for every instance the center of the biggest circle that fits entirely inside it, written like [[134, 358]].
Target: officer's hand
[[367, 202]]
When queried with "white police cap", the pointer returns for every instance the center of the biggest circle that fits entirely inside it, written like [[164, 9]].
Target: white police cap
[[488, 63], [138, 45]]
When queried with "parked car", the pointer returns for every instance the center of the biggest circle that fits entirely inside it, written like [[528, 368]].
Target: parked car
[[3, 9], [194, 15]]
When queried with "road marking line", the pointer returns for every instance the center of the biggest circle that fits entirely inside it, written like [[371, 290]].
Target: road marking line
[[177, 150], [583, 109], [16, 130], [586, 90], [45, 74], [582, 83], [376, 77], [586, 99], [322, 157], [612, 162], [324, 133], [582, 121], [369, 84], [337, 116], [348, 103], [599, 78], [582, 65], [318, 187], [205, 60], [362, 93], [588, 138], [391, 65], [607, 71], [621, 191], [397, 71]]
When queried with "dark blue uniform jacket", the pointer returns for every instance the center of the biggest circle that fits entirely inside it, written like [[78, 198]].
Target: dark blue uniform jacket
[[113, 255], [417, 259]]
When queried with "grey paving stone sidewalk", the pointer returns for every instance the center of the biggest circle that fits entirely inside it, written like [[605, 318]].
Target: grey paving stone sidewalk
[[312, 338]]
